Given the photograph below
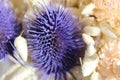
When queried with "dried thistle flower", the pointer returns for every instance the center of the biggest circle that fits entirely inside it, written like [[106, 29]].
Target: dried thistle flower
[[8, 29], [54, 40]]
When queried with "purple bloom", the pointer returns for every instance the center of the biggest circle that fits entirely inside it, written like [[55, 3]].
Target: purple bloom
[[54, 41], [8, 29]]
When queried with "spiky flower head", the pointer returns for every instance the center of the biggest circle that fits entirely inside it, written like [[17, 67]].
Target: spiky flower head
[[8, 29], [54, 40]]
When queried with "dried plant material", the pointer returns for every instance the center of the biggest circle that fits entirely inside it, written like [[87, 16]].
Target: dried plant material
[[90, 50], [88, 9], [52, 45], [95, 76], [108, 11], [77, 73], [9, 72], [21, 45], [89, 65], [91, 58], [107, 4], [20, 7], [39, 2], [31, 6], [107, 31], [17, 72], [88, 39], [108, 34], [109, 63], [88, 21], [72, 3], [83, 3], [92, 30], [75, 11], [9, 29]]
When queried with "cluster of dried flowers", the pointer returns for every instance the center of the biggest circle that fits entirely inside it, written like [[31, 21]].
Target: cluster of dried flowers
[[101, 22]]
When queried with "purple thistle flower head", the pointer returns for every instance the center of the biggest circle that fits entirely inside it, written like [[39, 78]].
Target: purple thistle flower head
[[8, 29], [54, 40]]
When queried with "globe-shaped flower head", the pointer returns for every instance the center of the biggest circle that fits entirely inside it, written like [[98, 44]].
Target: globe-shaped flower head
[[8, 28], [54, 40]]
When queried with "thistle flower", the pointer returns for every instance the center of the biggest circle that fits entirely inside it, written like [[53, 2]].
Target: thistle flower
[[54, 40], [8, 29]]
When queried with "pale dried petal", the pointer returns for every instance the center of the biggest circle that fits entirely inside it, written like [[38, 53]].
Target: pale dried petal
[[107, 31], [87, 39], [90, 51], [89, 65], [91, 59], [21, 45], [88, 9], [95, 76], [92, 30]]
